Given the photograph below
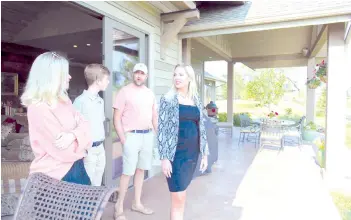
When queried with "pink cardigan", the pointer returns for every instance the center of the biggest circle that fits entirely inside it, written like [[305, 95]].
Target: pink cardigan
[[45, 124]]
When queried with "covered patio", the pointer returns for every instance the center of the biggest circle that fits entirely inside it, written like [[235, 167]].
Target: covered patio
[[278, 41], [248, 185]]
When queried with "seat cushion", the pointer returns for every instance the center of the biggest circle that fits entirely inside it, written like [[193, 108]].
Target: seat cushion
[[9, 203]]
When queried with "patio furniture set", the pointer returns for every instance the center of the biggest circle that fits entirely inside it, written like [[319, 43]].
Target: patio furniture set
[[268, 132]]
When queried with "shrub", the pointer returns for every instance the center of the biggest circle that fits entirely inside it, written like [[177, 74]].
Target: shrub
[[311, 126], [294, 117], [320, 113], [222, 117], [288, 111]]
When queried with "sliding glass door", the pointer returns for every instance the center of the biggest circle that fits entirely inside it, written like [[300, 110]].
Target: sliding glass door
[[123, 47]]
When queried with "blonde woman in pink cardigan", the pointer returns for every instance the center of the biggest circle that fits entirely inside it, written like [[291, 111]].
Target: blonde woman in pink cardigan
[[59, 135]]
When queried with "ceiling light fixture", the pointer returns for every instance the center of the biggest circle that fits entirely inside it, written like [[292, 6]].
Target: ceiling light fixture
[[75, 46], [88, 45], [193, 48], [305, 51]]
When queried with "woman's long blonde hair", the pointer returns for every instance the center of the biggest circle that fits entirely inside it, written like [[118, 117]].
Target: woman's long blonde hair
[[46, 80], [192, 87]]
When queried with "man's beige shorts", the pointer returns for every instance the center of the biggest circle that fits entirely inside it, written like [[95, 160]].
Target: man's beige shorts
[[137, 152]]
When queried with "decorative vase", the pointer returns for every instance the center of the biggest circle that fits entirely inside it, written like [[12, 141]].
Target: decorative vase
[[310, 135]]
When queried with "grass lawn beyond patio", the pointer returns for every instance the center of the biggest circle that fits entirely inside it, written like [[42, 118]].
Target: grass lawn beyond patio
[[343, 203]]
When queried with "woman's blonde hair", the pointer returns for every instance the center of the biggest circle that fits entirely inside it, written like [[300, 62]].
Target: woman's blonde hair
[[192, 87], [46, 80]]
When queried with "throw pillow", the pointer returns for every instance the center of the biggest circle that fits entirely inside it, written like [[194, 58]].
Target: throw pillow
[[6, 129], [14, 144], [26, 152]]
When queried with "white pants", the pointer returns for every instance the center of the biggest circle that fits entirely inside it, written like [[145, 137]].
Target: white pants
[[95, 163]]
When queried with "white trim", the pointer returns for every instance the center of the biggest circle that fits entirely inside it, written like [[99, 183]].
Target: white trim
[[211, 31], [319, 42], [347, 31], [162, 7], [183, 5]]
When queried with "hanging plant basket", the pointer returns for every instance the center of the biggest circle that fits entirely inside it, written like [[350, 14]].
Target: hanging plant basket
[[321, 72], [324, 79], [313, 83]]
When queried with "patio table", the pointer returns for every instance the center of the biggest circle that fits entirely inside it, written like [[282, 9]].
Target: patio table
[[283, 122]]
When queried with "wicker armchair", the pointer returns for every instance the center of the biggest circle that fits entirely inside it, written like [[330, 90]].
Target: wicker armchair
[[272, 134], [249, 129], [294, 131], [48, 198]]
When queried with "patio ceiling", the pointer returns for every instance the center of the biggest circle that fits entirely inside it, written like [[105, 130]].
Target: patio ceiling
[[271, 48], [201, 52], [266, 34], [264, 49]]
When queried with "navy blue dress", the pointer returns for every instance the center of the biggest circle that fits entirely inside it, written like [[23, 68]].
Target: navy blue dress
[[188, 149]]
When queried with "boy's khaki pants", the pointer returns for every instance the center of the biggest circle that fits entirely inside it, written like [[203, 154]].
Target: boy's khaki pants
[[95, 164]]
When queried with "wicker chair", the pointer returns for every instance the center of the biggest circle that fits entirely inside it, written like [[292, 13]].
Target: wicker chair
[[48, 198], [271, 134], [249, 129], [294, 131]]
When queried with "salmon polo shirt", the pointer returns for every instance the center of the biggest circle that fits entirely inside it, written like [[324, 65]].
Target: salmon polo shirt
[[138, 106]]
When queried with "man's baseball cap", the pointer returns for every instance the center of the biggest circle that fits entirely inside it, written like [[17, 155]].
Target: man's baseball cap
[[141, 67]]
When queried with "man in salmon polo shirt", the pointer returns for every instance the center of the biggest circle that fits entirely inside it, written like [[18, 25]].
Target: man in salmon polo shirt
[[135, 120]]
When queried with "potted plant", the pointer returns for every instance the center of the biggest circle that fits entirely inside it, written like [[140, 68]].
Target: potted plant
[[313, 83], [320, 75], [310, 132], [320, 143], [321, 71], [272, 114]]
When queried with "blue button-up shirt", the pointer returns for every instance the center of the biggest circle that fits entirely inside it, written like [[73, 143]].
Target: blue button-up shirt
[[92, 108]]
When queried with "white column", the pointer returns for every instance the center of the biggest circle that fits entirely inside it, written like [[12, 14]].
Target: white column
[[311, 93], [202, 83], [230, 93], [213, 92], [186, 51], [336, 99]]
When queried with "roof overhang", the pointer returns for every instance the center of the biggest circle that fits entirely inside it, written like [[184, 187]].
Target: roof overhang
[[230, 28], [172, 6]]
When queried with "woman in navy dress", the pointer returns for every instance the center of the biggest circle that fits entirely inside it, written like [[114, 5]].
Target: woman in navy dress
[[181, 136]]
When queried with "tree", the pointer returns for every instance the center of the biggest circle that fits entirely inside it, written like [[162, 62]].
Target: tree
[[239, 87], [267, 88], [322, 102]]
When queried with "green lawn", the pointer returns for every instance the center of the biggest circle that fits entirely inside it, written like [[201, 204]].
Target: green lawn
[[298, 110], [343, 203], [257, 112]]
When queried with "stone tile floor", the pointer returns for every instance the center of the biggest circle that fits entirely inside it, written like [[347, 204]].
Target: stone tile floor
[[246, 184]]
